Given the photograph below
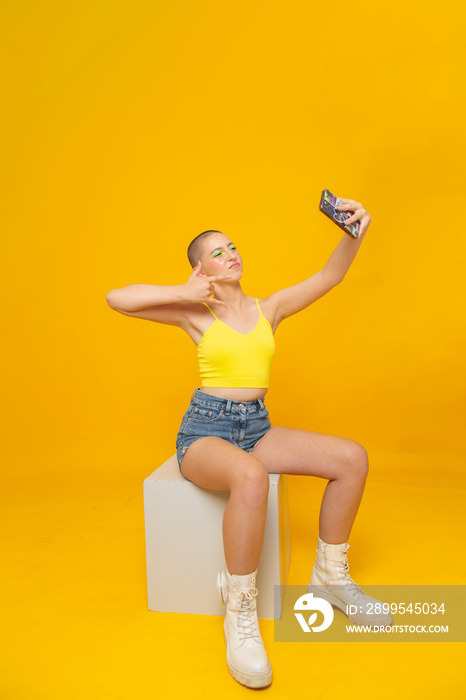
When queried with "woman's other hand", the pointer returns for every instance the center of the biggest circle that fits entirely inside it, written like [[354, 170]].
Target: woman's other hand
[[199, 286]]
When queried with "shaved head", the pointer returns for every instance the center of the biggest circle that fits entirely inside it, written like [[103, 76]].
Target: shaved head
[[196, 247]]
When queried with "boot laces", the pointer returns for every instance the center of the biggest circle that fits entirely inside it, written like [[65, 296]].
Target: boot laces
[[247, 627], [346, 579]]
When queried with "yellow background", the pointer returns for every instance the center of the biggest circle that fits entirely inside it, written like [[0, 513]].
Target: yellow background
[[130, 127]]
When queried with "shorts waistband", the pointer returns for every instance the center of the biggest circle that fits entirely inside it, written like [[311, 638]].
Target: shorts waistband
[[202, 397]]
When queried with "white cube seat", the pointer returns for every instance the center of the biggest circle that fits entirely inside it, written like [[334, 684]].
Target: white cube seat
[[184, 544]]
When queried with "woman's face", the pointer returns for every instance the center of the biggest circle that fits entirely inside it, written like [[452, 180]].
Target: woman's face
[[219, 257]]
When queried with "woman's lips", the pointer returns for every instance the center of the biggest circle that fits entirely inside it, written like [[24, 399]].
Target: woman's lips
[[232, 266]]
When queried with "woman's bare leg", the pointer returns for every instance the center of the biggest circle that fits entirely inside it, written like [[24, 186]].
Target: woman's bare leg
[[341, 460], [216, 464]]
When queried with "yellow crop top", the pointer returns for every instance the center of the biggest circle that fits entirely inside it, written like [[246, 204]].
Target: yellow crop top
[[233, 359]]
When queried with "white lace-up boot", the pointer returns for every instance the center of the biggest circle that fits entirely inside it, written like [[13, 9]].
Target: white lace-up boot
[[330, 580], [246, 656]]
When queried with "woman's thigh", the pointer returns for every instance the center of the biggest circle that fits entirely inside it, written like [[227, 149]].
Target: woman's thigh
[[294, 451], [215, 463]]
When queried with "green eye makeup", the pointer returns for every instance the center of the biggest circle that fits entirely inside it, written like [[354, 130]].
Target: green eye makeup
[[221, 252]]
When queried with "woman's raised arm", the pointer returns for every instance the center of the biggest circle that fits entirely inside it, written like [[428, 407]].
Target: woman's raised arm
[[290, 300], [165, 303], [134, 297], [139, 296]]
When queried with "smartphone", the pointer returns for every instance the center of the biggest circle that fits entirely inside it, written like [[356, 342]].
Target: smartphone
[[327, 205]]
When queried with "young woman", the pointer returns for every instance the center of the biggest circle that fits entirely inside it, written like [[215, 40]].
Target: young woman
[[226, 441]]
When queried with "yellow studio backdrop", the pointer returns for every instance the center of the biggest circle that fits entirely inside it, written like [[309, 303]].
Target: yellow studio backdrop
[[130, 127]]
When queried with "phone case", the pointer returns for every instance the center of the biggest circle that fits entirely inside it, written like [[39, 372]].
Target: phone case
[[327, 205]]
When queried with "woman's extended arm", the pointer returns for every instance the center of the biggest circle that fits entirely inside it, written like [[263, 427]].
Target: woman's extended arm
[[289, 301], [340, 260]]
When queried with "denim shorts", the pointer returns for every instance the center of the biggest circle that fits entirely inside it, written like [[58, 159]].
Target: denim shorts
[[243, 423]]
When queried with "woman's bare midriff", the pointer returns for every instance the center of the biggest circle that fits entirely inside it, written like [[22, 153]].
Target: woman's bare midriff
[[237, 394]]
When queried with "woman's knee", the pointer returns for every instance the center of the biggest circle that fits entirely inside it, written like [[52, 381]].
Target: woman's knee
[[357, 459], [251, 480]]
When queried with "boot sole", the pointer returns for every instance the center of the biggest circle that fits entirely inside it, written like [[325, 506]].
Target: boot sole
[[341, 606], [250, 680]]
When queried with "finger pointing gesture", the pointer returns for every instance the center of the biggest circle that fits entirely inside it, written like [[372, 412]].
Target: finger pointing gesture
[[201, 285]]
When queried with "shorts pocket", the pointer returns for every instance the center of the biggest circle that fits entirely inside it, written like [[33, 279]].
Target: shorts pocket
[[204, 414]]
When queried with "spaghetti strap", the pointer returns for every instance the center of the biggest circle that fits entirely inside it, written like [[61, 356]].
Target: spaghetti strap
[[258, 307], [209, 309]]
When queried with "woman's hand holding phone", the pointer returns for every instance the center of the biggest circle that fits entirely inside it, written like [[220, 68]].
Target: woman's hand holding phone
[[358, 213], [199, 286], [349, 215]]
